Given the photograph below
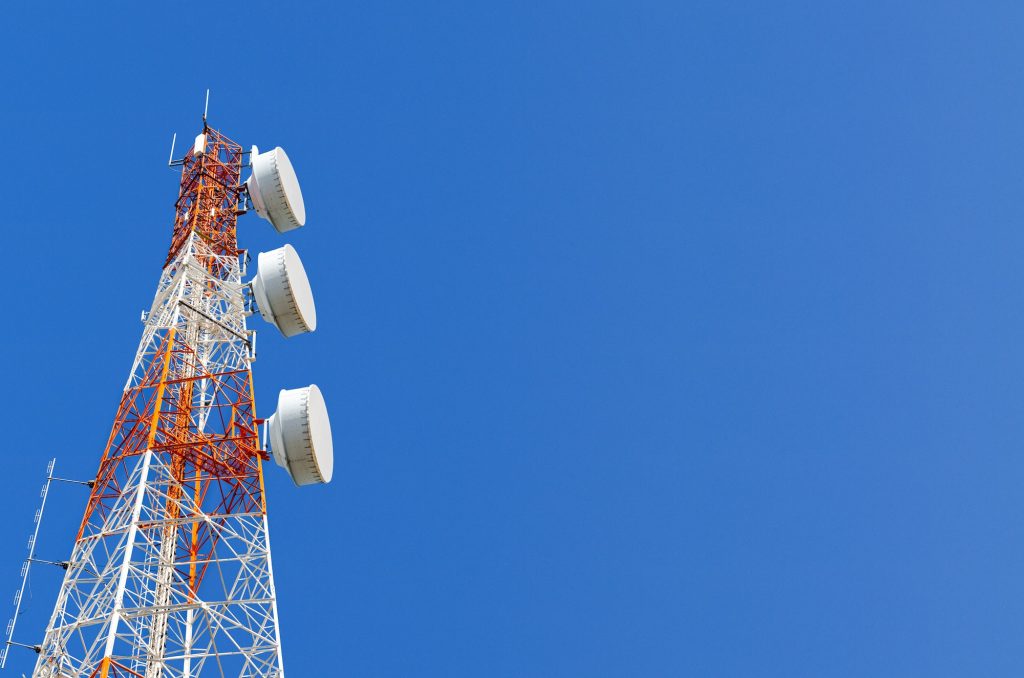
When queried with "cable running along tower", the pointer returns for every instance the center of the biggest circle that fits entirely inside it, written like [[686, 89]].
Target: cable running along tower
[[171, 573]]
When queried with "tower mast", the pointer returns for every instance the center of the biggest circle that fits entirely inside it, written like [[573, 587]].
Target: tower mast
[[171, 574]]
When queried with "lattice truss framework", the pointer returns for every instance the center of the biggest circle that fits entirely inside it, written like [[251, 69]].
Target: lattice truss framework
[[171, 571]]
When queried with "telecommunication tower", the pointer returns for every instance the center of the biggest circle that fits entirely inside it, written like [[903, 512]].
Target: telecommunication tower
[[171, 574]]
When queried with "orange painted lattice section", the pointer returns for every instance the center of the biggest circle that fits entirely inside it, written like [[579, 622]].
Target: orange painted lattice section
[[221, 464]]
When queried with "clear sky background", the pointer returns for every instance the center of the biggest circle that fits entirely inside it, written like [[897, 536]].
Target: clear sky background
[[659, 339]]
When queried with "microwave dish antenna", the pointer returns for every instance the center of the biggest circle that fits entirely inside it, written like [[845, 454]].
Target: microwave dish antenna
[[275, 191], [300, 436], [282, 292]]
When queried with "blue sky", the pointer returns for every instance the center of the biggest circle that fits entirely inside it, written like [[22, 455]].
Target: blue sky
[[660, 339]]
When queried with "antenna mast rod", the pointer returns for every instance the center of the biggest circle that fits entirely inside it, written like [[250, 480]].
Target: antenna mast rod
[[25, 568], [170, 160]]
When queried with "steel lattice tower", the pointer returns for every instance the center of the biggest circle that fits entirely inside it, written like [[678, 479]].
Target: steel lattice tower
[[171, 570]]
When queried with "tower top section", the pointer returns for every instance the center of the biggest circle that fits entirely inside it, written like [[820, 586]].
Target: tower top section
[[210, 198]]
